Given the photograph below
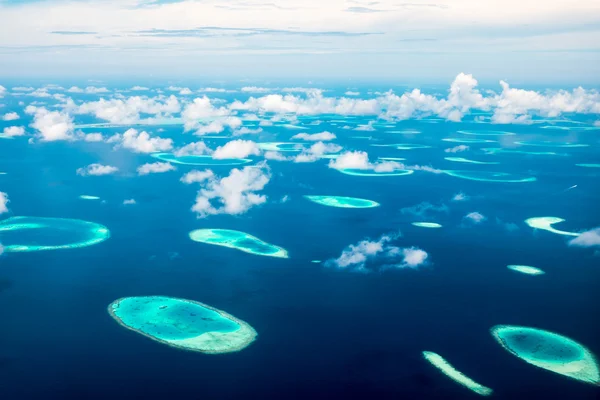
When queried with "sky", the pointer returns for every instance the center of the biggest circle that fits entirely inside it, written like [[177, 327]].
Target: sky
[[524, 41]]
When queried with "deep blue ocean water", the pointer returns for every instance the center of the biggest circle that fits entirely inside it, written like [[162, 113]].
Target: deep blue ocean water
[[323, 333]]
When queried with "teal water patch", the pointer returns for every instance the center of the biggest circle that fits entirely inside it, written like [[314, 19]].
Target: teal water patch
[[466, 160], [588, 165], [526, 269], [342, 202], [28, 234], [403, 146], [431, 225], [199, 160], [280, 146], [88, 197], [548, 143], [368, 172], [487, 176], [549, 351], [486, 133], [545, 224], [185, 324], [447, 369], [468, 140], [237, 240], [497, 150]]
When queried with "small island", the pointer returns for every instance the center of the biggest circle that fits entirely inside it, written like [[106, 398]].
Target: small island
[[466, 160], [237, 240], [526, 269], [342, 202], [183, 324], [199, 160], [545, 224], [488, 176], [430, 225], [447, 369]]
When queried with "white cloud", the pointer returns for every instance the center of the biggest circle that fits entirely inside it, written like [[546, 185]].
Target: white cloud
[[414, 257], [3, 202], [155, 168], [425, 209], [351, 93], [129, 202], [128, 110], [233, 194], [196, 176], [246, 131], [141, 142], [14, 131], [97, 170], [275, 155], [589, 238], [23, 89], [475, 217], [93, 137], [460, 196], [254, 89], [11, 116], [314, 152], [360, 160], [139, 89], [236, 149], [219, 126], [88, 90], [199, 111], [322, 136], [51, 125], [457, 149], [196, 149]]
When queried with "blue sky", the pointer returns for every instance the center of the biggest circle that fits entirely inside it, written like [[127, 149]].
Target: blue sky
[[524, 41]]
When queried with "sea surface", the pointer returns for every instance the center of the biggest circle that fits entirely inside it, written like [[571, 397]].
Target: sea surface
[[323, 332]]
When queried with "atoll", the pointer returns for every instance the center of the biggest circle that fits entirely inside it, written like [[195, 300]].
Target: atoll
[[281, 146], [487, 133], [447, 369], [432, 225], [88, 197], [403, 146], [497, 150], [551, 144], [526, 269], [27, 234], [467, 140], [237, 240], [549, 351], [392, 158], [342, 202], [466, 160], [199, 160], [588, 165], [183, 324], [487, 176], [545, 223], [370, 172]]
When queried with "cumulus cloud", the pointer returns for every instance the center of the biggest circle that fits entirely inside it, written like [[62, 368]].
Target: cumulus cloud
[[254, 89], [196, 176], [11, 116], [93, 137], [196, 149], [3, 202], [129, 202], [425, 209], [234, 194], [457, 149], [97, 170], [370, 255], [155, 168], [141, 142], [246, 131], [589, 238], [236, 149], [127, 110], [322, 136], [12, 131], [139, 89], [316, 151], [200, 111], [360, 160], [219, 126], [88, 90], [276, 156], [351, 93], [475, 217], [51, 125]]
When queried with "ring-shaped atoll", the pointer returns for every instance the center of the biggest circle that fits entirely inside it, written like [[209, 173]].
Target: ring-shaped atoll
[[526, 269], [343, 202], [28, 234], [237, 240], [498, 150], [551, 144], [404, 146], [392, 158], [407, 131], [487, 133], [431, 225], [468, 140], [545, 224], [199, 160], [183, 324], [548, 350], [588, 165], [281, 146], [88, 197], [447, 369], [488, 176], [370, 172], [466, 160]]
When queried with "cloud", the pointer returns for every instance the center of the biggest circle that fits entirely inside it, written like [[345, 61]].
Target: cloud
[[51, 125], [97, 170], [424, 209], [234, 194], [124, 111], [88, 90], [93, 137], [457, 149], [276, 156], [139, 89], [141, 142], [323, 136], [196, 176], [369, 255], [360, 160], [200, 110], [219, 126], [196, 149], [12, 131], [589, 238], [11, 116], [351, 93], [475, 217], [129, 202], [155, 168], [316, 151], [460, 196], [3, 202], [254, 89], [236, 149], [246, 131], [23, 89]]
